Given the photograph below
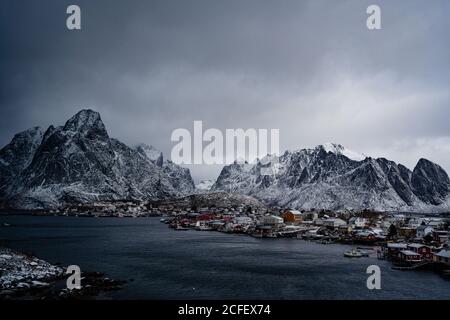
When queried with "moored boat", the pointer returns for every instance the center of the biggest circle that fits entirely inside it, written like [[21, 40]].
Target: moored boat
[[353, 254]]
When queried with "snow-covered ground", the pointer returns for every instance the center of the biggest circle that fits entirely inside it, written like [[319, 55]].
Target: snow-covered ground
[[204, 185], [19, 271]]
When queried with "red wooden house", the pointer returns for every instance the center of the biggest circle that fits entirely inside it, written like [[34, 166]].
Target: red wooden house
[[423, 250]]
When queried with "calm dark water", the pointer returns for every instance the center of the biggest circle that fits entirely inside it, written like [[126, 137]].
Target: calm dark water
[[168, 264]]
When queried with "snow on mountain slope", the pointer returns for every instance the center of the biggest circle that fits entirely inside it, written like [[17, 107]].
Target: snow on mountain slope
[[338, 149], [150, 152], [178, 176], [330, 177], [204, 185], [79, 162]]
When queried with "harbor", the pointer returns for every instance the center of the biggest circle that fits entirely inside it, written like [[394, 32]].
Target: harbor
[[409, 242], [160, 263]]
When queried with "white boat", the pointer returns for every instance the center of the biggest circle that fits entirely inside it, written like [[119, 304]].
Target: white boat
[[201, 226], [181, 228], [353, 254], [204, 228]]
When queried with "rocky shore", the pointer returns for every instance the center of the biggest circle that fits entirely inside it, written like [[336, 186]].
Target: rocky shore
[[25, 277]]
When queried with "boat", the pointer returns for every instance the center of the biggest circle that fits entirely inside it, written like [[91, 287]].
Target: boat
[[325, 241], [6, 224], [410, 266], [353, 254], [204, 228], [181, 228]]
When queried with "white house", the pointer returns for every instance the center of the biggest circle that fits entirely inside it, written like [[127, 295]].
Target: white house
[[416, 222], [436, 223], [423, 231], [318, 222], [243, 220], [334, 222], [358, 222], [272, 220]]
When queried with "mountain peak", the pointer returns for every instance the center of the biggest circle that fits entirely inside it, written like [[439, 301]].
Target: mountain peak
[[87, 122], [150, 152], [423, 161], [339, 149], [18, 154], [430, 182], [429, 167], [31, 136]]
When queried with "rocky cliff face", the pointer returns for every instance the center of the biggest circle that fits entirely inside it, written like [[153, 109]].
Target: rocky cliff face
[[79, 162], [179, 177], [16, 156], [332, 177]]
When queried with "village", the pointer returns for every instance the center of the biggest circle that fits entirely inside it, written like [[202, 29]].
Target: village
[[410, 241]]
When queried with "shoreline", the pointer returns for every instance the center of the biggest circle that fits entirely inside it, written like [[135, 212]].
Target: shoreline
[[26, 277]]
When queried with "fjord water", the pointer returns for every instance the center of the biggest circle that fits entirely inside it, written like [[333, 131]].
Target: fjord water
[[161, 263]]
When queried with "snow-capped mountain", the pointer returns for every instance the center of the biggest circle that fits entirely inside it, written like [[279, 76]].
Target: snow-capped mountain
[[338, 149], [151, 153], [179, 177], [79, 162], [332, 177]]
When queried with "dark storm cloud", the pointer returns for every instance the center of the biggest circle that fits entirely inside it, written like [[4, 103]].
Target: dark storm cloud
[[310, 68]]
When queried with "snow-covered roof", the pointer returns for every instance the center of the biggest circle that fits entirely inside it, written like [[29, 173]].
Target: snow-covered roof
[[444, 254], [397, 245], [424, 227], [335, 219], [364, 233], [409, 253], [294, 212], [416, 245]]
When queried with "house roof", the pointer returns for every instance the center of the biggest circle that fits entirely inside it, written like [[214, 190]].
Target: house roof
[[409, 253], [335, 220], [274, 218], [416, 245], [357, 218], [294, 212], [424, 227], [444, 253], [397, 245]]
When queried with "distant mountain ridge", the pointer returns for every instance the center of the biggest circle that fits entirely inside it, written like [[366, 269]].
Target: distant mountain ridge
[[332, 177], [79, 163]]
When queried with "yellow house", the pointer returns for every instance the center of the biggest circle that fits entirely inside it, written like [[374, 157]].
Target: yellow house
[[292, 216]]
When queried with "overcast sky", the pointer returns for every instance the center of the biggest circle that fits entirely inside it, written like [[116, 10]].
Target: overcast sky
[[310, 68]]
